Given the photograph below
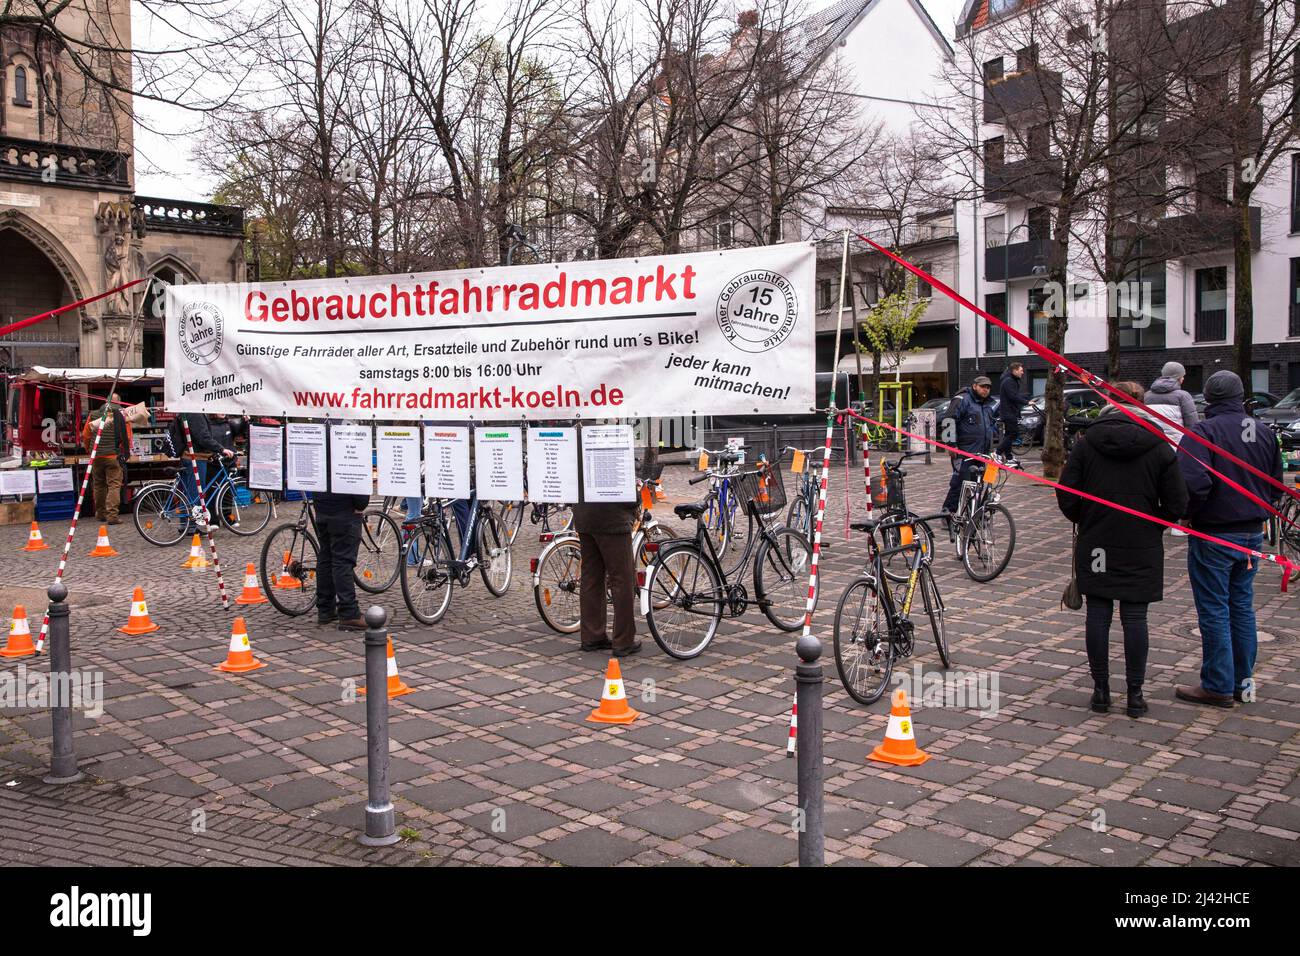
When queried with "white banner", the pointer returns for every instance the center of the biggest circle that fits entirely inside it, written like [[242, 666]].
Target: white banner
[[700, 333]]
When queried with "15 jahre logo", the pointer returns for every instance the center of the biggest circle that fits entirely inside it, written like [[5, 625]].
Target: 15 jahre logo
[[200, 330], [757, 310]]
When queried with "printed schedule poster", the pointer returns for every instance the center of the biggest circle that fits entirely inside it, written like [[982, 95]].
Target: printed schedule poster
[[17, 481], [446, 461], [608, 463], [352, 460], [306, 445], [399, 462], [54, 479], [553, 465], [499, 463], [265, 457]]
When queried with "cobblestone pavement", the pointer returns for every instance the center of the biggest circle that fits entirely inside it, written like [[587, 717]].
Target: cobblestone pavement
[[493, 763]]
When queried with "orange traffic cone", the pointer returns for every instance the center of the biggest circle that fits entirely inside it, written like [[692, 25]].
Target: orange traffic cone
[[252, 593], [138, 622], [613, 707], [102, 548], [395, 686], [286, 581], [34, 540], [197, 558], [20, 636], [899, 747], [240, 657]]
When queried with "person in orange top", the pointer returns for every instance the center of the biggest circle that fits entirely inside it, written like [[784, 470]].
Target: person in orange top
[[108, 469]]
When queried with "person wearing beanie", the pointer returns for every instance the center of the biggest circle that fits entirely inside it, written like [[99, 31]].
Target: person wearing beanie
[[967, 423], [1167, 399], [1223, 580]]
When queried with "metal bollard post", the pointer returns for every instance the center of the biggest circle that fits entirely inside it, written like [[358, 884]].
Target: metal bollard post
[[928, 447], [381, 825], [808, 687], [63, 760]]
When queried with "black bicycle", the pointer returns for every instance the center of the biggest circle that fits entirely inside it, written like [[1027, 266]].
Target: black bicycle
[[432, 563], [687, 589], [874, 626]]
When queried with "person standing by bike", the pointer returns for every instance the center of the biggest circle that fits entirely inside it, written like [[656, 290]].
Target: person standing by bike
[[204, 439], [605, 533], [1011, 401], [968, 424], [338, 529], [108, 470], [1119, 557]]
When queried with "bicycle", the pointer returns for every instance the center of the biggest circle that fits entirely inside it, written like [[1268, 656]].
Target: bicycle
[[687, 588], [556, 570], [427, 581], [164, 514], [288, 578], [873, 627], [1284, 532], [554, 518], [803, 512], [722, 506]]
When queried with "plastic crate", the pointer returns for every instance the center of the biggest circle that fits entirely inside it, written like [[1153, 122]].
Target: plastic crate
[[293, 495], [56, 505], [243, 497]]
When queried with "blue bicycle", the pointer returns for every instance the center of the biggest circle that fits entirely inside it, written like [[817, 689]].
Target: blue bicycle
[[164, 513]]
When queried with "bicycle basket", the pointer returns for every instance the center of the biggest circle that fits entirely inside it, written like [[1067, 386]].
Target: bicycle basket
[[765, 487], [888, 492]]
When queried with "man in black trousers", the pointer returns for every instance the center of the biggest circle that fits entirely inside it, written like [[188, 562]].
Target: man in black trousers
[[338, 530], [605, 533]]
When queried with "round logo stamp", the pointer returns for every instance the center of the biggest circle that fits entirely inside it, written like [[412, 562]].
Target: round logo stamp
[[201, 332], [757, 310]]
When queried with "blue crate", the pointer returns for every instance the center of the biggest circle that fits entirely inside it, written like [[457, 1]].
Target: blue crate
[[293, 496], [56, 505]]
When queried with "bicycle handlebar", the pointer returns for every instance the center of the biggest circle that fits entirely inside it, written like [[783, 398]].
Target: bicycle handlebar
[[696, 481]]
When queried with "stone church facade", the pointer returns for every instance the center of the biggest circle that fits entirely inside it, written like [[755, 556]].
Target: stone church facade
[[71, 225]]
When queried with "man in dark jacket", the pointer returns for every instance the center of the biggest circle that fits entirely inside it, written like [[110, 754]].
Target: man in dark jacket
[[1119, 557], [1011, 401], [968, 424], [204, 440], [1223, 580], [338, 530], [605, 532]]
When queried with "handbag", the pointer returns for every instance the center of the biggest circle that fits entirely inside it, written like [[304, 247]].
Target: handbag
[[1071, 598]]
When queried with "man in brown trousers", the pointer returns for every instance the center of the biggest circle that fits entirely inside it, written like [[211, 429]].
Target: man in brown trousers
[[106, 471], [605, 532]]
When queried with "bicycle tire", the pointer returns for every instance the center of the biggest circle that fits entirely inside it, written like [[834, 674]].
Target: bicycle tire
[[935, 611], [512, 518], [492, 544], [800, 517], [717, 525], [860, 643], [296, 555], [379, 554], [556, 584], [161, 514], [657, 533], [427, 585], [1288, 534], [781, 566], [559, 519], [672, 584], [979, 542], [243, 520]]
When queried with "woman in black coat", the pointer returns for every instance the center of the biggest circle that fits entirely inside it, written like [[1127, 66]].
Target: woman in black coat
[[1120, 557]]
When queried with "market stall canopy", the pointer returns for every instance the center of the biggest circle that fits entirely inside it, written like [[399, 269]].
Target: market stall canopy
[[924, 360], [39, 373]]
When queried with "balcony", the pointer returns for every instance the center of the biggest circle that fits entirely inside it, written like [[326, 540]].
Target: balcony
[[58, 164], [1198, 232], [1017, 260], [1017, 96], [1207, 141], [198, 218], [1035, 177]]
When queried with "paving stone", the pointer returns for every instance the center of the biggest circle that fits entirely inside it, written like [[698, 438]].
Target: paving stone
[[1083, 843], [596, 796], [590, 847], [737, 794], [412, 730], [1184, 793], [725, 754], [139, 708], [666, 775], [447, 795], [879, 792], [335, 749], [534, 734], [1029, 793], [119, 768], [928, 847], [755, 847], [1080, 771], [993, 754], [173, 727], [466, 752], [290, 729], [1130, 816], [515, 821], [1221, 770], [1260, 847], [1284, 816], [249, 769], [524, 774], [713, 719], [669, 820], [297, 794]]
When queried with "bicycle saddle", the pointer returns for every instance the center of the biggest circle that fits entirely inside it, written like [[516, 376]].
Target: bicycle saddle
[[693, 510], [869, 525]]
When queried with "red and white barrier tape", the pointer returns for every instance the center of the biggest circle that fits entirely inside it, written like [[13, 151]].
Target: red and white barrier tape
[[23, 323]]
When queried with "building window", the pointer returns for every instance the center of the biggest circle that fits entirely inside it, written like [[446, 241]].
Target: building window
[[1038, 142], [1195, 376], [1212, 189], [1139, 304], [995, 338], [999, 7], [995, 152], [1212, 304], [993, 70], [823, 294], [1079, 34], [721, 230], [1038, 223], [20, 87], [1038, 315], [995, 230], [1293, 328], [1258, 378], [923, 289], [1295, 192], [1027, 58]]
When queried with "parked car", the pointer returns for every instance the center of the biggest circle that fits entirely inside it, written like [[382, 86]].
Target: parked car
[[1082, 405], [1283, 413], [1256, 404]]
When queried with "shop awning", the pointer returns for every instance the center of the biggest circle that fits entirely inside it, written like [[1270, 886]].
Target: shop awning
[[926, 360], [39, 373]]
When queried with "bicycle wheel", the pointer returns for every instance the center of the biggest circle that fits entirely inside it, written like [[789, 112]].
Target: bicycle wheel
[[426, 584], [655, 532], [379, 555], [781, 566], [718, 526], [988, 540], [245, 519], [740, 543], [512, 518], [161, 514], [934, 612], [800, 517], [555, 585], [864, 653], [288, 569], [494, 560], [559, 518], [682, 601], [896, 566]]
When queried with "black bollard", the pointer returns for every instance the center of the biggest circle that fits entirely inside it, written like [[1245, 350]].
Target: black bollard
[[381, 825], [63, 760], [808, 687], [928, 447]]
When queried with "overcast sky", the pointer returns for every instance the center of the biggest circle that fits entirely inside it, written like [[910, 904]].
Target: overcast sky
[[166, 137]]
